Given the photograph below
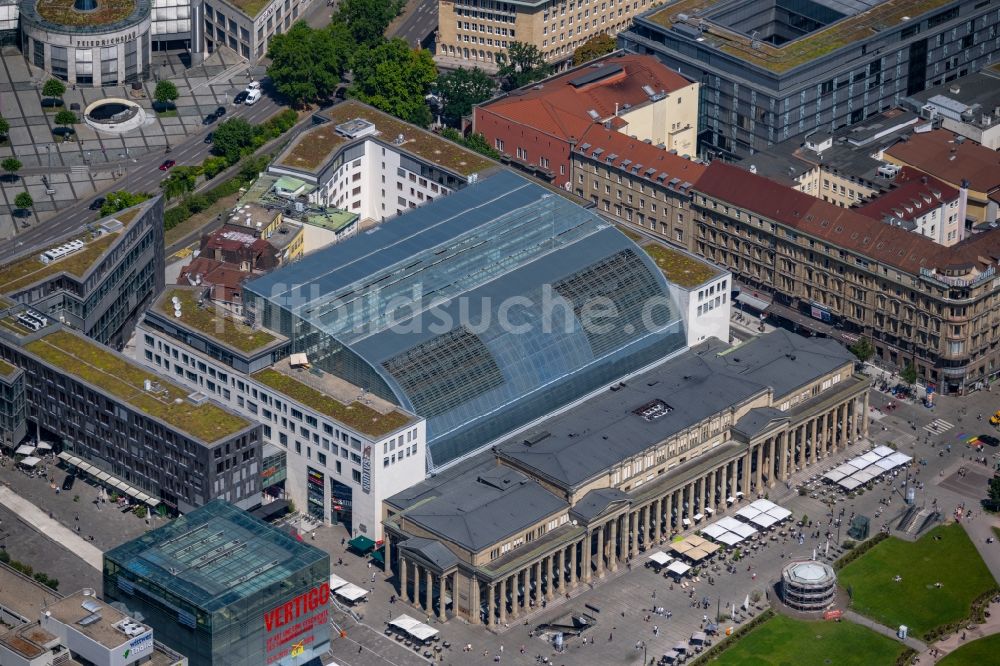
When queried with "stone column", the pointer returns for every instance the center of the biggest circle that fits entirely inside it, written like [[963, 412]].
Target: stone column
[[442, 589], [712, 482], [864, 417], [561, 569], [388, 555], [550, 587], [404, 592], [613, 542], [758, 475], [490, 601], [685, 508], [428, 591], [654, 537], [668, 511], [746, 474], [536, 575], [588, 555], [633, 537], [473, 602], [783, 455], [732, 480], [572, 565]]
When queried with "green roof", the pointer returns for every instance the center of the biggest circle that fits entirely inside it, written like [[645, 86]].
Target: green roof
[[332, 219], [30, 270], [314, 147], [119, 377], [884, 16], [681, 268], [6, 369], [63, 12], [361, 417], [289, 183], [213, 321], [249, 7]]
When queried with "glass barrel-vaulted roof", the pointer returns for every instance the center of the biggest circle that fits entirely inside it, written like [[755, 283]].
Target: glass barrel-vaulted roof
[[454, 310]]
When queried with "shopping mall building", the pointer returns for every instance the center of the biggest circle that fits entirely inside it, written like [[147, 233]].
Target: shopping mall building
[[224, 588]]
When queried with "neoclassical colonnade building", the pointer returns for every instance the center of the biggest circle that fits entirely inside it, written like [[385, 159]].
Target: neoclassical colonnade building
[[582, 492]]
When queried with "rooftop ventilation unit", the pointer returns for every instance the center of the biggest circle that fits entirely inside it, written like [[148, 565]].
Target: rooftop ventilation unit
[[653, 410], [57, 253]]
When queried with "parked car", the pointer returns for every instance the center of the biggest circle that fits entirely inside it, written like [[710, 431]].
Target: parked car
[[240, 97], [68, 482], [167, 164], [253, 97], [219, 112], [209, 137], [209, 119], [990, 440], [97, 203], [253, 85]]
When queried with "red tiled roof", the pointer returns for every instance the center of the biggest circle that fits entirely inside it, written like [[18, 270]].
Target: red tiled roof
[[562, 109], [224, 279], [844, 227], [937, 154], [916, 193], [641, 157]]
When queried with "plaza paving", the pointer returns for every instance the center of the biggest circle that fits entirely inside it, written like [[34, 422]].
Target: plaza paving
[[76, 170]]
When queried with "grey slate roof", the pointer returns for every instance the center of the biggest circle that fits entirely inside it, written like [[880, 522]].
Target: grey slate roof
[[585, 441], [431, 550], [596, 501], [483, 507], [757, 420]]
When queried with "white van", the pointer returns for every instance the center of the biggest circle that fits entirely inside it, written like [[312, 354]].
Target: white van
[[253, 97]]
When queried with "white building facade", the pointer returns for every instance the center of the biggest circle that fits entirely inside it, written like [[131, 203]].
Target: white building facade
[[335, 473]]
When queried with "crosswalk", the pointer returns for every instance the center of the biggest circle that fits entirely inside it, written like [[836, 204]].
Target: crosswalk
[[938, 426]]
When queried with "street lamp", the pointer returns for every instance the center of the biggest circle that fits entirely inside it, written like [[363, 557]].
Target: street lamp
[[48, 151], [641, 645]]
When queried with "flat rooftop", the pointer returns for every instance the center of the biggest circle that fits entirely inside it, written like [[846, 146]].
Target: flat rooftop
[[23, 595], [331, 219], [101, 629], [336, 398], [63, 12], [313, 148], [823, 41], [6, 369], [214, 321], [683, 269], [117, 376], [216, 556], [249, 7], [30, 269]]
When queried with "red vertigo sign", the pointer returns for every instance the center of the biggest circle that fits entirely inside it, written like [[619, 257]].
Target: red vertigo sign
[[292, 625], [305, 603]]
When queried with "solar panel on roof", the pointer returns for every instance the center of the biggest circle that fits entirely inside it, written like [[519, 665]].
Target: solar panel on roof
[[595, 75]]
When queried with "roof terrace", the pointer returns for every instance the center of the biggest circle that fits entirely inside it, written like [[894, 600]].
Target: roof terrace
[[336, 398], [213, 321], [117, 376], [314, 147], [679, 267]]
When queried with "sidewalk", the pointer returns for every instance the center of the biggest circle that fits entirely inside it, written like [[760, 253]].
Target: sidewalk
[[40, 521], [910, 641], [955, 641]]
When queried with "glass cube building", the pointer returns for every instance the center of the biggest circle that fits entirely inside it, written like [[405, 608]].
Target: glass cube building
[[480, 311], [226, 589]]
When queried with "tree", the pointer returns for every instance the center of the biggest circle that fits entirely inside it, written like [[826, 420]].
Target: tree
[[909, 374], [232, 138], [65, 117], [54, 88], [521, 64], [595, 47], [863, 349], [478, 143], [307, 63], [181, 180], [120, 200], [24, 201], [11, 165], [395, 78], [462, 89], [4, 127], [367, 19], [213, 166], [165, 93]]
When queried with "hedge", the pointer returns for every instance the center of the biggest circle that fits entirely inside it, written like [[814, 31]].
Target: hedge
[[195, 203], [977, 614], [859, 550], [28, 571]]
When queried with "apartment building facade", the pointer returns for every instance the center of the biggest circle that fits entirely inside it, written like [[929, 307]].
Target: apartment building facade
[[833, 271], [472, 32], [766, 77]]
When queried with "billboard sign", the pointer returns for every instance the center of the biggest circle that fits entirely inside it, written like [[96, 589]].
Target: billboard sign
[[293, 627]]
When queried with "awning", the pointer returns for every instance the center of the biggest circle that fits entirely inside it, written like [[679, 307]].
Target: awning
[[417, 629], [800, 318], [337, 582], [660, 558], [379, 556], [709, 510], [678, 567], [686, 521], [361, 544], [30, 461], [698, 637], [64, 455], [681, 647], [757, 303], [697, 517], [44, 446], [102, 476], [25, 450], [131, 492], [351, 592], [121, 485]]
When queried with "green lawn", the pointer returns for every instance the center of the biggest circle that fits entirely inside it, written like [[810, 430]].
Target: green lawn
[[782, 641], [169, 113], [976, 653], [944, 555]]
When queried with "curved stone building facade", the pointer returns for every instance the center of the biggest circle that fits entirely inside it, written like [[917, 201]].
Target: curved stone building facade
[[808, 586], [88, 42]]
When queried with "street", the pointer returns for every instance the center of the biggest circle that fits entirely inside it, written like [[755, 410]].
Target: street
[[419, 20]]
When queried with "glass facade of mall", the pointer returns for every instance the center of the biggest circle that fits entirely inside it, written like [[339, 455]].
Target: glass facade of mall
[[471, 311], [225, 589]]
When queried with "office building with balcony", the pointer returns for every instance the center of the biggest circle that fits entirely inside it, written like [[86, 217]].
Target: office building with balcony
[[770, 70]]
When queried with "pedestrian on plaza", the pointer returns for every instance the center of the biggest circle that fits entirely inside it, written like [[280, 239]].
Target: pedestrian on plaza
[[656, 630], [610, 636]]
